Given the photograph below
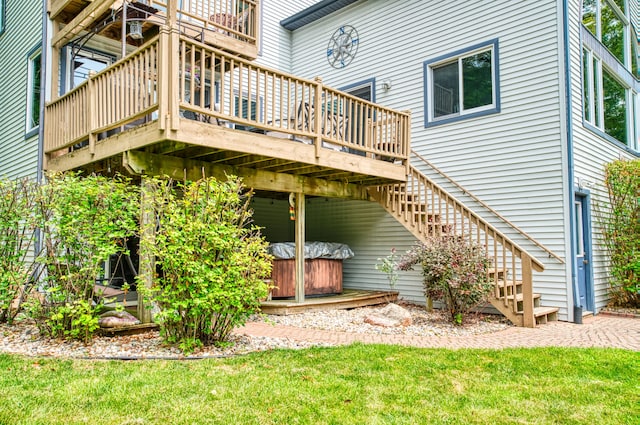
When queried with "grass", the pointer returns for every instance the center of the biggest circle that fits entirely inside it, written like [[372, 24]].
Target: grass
[[357, 384]]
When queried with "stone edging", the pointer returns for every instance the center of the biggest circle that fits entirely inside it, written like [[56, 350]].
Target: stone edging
[[621, 313]]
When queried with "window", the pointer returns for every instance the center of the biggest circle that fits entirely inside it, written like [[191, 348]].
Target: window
[[247, 109], [2, 18], [81, 63], [636, 120], [609, 97], [607, 101], [33, 91], [463, 84], [606, 20]]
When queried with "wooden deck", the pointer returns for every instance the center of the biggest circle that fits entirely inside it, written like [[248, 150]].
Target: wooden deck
[[150, 114], [349, 298]]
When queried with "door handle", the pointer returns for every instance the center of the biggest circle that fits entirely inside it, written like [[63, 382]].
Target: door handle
[[585, 261]]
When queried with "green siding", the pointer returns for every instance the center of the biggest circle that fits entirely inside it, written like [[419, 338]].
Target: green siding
[[22, 33]]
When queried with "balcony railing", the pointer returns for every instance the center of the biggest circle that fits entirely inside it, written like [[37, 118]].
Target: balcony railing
[[209, 85], [229, 24]]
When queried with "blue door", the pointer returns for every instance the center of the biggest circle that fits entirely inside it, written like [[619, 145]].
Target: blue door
[[583, 252]]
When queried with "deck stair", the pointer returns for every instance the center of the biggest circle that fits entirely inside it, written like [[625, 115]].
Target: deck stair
[[426, 210]]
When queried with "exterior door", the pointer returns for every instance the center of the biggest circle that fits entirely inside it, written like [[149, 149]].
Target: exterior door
[[583, 252]]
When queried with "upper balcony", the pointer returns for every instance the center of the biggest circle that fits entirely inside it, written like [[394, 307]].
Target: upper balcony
[[229, 25], [180, 107]]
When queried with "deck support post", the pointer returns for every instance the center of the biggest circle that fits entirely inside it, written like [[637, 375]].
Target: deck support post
[[300, 239], [147, 239]]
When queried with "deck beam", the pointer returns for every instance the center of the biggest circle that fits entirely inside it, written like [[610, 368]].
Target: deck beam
[[177, 168]]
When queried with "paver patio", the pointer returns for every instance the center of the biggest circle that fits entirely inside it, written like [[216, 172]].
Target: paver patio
[[599, 331]]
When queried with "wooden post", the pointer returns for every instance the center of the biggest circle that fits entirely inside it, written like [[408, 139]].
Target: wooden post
[[163, 78], [147, 239], [528, 319], [92, 110], [172, 51], [55, 65], [406, 141], [300, 239], [317, 116]]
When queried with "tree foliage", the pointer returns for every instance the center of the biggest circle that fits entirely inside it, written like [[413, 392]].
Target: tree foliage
[[83, 221], [621, 228], [211, 261], [17, 243]]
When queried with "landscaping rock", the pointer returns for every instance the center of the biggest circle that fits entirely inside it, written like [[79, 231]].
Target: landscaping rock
[[117, 319], [390, 316]]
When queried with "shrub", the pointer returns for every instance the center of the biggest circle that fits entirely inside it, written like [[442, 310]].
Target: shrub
[[84, 220], [17, 237], [212, 262], [454, 272], [621, 231], [389, 266]]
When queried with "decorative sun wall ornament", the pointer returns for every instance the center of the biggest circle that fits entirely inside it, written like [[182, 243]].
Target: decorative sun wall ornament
[[343, 46]]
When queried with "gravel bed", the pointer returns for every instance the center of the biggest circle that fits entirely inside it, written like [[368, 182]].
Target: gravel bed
[[434, 323], [23, 337]]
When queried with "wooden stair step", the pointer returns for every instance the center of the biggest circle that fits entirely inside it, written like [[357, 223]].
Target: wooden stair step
[[501, 283], [544, 314], [520, 297], [494, 271], [541, 311]]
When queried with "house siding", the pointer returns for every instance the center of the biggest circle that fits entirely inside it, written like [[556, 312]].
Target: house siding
[[18, 155], [591, 152], [275, 48], [512, 160]]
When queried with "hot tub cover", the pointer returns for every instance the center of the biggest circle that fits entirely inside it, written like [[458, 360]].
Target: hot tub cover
[[330, 250]]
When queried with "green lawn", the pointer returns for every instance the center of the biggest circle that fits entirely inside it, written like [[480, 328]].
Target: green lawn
[[358, 384]]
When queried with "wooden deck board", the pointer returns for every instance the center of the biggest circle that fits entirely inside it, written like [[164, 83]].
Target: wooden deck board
[[349, 298]]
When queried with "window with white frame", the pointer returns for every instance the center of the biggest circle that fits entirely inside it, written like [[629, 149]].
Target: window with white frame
[[33, 90], [2, 16], [463, 84], [610, 90], [607, 100], [608, 22]]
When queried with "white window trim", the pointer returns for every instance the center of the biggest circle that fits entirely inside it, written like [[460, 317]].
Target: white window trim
[[633, 120], [3, 18], [31, 60], [457, 56], [622, 15]]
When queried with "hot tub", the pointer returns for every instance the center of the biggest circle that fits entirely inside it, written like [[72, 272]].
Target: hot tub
[[322, 268]]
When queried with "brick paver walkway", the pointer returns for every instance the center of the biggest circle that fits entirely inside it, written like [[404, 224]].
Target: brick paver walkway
[[599, 331]]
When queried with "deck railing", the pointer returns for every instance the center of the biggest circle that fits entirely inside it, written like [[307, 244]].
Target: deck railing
[[253, 97], [428, 210], [119, 95], [236, 18], [196, 81]]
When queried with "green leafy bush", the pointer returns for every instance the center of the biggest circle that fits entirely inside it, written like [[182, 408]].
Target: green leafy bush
[[17, 237], [454, 272], [83, 221], [621, 230], [211, 261]]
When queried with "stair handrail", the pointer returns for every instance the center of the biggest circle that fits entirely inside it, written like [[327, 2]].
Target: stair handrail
[[402, 199], [489, 208]]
